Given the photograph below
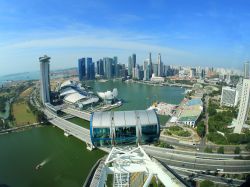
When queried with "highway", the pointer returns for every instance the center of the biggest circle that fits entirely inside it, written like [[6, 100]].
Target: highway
[[198, 176], [201, 163], [203, 155], [77, 113]]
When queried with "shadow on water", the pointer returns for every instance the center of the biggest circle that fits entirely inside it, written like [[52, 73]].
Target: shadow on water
[[4, 185]]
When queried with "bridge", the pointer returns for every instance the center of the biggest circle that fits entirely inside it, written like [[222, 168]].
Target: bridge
[[68, 127]]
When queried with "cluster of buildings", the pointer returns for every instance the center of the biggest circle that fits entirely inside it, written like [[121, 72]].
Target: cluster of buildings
[[110, 68], [238, 95]]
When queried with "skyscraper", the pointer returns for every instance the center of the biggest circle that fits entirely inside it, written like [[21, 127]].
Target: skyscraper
[[130, 66], [155, 70], [246, 70], [159, 66], [100, 69], [114, 67], [150, 65], [81, 69], [45, 79], [146, 69], [244, 106], [134, 60], [134, 66], [108, 67], [90, 73], [192, 73]]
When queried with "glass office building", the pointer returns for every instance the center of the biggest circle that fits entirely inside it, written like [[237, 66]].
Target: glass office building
[[124, 127]]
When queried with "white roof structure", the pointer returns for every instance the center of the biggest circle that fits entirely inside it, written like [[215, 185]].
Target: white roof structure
[[74, 98], [69, 83], [108, 95], [124, 118], [67, 91], [89, 101]]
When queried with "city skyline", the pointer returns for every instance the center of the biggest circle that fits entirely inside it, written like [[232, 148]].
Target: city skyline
[[209, 33]]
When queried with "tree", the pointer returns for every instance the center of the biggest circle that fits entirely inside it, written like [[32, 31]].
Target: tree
[[41, 117], [211, 111], [248, 147], [201, 130], [220, 150], [237, 150], [208, 150], [206, 183]]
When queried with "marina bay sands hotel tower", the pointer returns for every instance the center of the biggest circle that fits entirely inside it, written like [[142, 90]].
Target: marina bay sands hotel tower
[[45, 79]]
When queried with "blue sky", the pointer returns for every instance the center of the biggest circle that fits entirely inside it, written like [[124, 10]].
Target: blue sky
[[192, 33]]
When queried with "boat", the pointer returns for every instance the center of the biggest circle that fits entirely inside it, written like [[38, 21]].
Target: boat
[[39, 166]]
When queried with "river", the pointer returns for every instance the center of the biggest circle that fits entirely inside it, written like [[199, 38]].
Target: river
[[140, 96], [67, 162]]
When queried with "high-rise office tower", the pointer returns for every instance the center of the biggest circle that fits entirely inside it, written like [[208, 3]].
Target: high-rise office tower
[[118, 68], [81, 69], [202, 75], [146, 70], [114, 66], [192, 73], [244, 106], [100, 69], [45, 79], [246, 70], [130, 66], [155, 70], [150, 65], [108, 66], [159, 72], [134, 65], [90, 70], [134, 60]]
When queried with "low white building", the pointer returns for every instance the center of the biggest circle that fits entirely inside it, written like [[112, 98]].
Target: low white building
[[229, 96], [157, 79]]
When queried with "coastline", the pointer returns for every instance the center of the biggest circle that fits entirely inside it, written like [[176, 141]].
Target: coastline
[[21, 128]]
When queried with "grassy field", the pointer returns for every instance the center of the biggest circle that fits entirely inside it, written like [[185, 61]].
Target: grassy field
[[178, 131], [22, 114], [26, 92], [80, 122]]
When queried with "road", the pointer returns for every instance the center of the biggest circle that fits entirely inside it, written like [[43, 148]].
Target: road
[[201, 162], [77, 113], [198, 176]]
